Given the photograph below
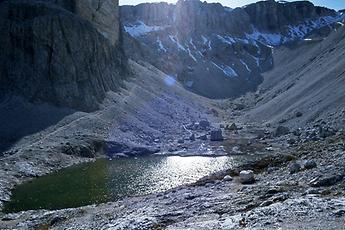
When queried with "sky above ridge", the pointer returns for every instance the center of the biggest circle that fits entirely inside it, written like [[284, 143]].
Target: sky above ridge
[[334, 4]]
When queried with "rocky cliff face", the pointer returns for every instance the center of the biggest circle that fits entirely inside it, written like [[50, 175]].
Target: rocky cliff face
[[216, 51], [50, 52], [104, 15]]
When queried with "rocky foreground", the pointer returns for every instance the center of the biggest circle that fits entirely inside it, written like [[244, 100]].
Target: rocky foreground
[[301, 188]]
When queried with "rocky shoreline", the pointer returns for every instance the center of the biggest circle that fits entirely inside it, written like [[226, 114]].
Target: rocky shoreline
[[281, 196]]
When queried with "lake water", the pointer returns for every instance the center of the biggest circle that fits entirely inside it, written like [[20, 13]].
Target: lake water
[[109, 180]]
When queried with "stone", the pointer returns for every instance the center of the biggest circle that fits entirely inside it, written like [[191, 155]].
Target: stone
[[204, 124], [294, 168], [203, 137], [297, 132], [326, 181], [270, 170], [247, 177], [309, 164], [227, 178], [192, 137], [231, 127], [216, 135], [280, 131], [180, 141], [326, 132], [291, 141], [299, 114]]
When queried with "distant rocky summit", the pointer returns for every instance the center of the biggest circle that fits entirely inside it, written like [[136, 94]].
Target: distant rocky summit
[[216, 51], [62, 52]]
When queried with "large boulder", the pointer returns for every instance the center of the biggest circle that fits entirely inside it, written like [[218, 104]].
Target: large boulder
[[49, 54], [247, 177], [281, 131], [217, 135]]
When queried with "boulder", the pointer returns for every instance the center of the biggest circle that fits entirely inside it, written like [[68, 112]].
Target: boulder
[[281, 130], [291, 141], [326, 132], [203, 137], [227, 178], [217, 135], [247, 177], [299, 114], [231, 127], [309, 164], [294, 168], [204, 124], [326, 181]]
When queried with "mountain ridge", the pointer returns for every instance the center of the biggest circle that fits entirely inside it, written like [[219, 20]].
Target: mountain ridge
[[193, 40]]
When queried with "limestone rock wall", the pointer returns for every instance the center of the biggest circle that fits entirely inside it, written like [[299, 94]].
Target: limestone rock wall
[[50, 54], [104, 15]]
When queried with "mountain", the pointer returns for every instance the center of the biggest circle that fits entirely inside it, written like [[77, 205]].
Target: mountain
[[216, 51], [67, 53]]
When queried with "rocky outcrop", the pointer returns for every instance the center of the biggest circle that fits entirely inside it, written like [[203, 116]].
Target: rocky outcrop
[[216, 51], [104, 15], [274, 16], [50, 54]]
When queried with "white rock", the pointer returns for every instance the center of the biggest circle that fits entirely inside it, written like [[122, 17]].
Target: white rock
[[227, 178]]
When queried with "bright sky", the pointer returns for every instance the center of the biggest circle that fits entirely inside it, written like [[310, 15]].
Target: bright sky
[[335, 4]]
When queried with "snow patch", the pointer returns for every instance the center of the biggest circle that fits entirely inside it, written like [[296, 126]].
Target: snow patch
[[206, 42], [227, 70], [274, 39], [293, 32], [175, 40], [245, 65], [191, 55], [140, 28], [160, 45], [227, 40]]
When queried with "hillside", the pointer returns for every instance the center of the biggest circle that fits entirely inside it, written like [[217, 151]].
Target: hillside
[[308, 78]]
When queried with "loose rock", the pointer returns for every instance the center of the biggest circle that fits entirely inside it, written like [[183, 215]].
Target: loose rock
[[216, 135], [231, 127], [294, 168], [227, 178], [309, 164], [192, 137], [203, 137], [204, 124], [280, 131], [326, 181], [247, 177]]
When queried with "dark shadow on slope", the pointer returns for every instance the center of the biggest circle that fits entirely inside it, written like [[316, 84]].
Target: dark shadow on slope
[[19, 118]]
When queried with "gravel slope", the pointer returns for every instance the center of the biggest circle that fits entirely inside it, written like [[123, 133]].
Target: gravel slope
[[309, 78]]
